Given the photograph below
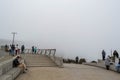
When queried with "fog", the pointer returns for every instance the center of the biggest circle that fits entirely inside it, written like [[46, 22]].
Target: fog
[[74, 27]]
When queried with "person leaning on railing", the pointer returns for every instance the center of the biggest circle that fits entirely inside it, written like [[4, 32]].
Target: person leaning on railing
[[17, 62]]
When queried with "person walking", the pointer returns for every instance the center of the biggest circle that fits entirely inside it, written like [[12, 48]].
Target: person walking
[[103, 55]]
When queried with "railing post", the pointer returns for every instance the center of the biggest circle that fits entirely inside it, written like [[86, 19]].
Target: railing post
[[49, 52], [45, 51], [29, 50], [38, 50], [41, 51], [54, 52]]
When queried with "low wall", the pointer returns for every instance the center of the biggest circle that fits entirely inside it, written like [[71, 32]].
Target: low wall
[[7, 72], [101, 64], [5, 66], [58, 60]]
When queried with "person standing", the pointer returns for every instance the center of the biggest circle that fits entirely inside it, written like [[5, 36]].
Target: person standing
[[103, 55], [13, 49], [16, 49], [77, 58], [33, 49], [115, 54], [22, 48], [107, 63], [10, 50]]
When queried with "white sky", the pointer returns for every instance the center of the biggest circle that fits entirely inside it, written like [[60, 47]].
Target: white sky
[[74, 27]]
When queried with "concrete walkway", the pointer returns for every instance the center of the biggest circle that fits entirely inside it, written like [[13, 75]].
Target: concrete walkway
[[69, 72]]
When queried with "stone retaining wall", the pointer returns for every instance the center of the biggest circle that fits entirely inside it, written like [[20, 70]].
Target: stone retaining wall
[[7, 72]]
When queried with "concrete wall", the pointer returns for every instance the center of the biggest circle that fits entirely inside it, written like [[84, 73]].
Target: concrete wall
[[58, 60], [101, 64], [7, 72]]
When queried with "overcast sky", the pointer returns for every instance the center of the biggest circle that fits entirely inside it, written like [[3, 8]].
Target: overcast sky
[[74, 27]]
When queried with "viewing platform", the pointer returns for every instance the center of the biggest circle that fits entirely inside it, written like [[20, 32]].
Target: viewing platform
[[69, 72], [45, 65]]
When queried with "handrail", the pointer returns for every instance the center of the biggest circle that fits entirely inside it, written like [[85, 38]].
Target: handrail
[[42, 51]]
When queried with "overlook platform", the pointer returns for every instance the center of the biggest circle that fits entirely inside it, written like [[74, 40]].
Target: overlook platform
[[44, 65], [69, 72]]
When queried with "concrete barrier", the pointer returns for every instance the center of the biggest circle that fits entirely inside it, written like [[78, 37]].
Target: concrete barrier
[[57, 60], [101, 65], [7, 72]]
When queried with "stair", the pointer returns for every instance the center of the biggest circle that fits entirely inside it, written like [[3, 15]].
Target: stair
[[35, 60]]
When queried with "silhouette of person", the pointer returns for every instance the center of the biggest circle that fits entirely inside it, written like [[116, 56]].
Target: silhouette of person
[[115, 54], [77, 58], [22, 48], [103, 55]]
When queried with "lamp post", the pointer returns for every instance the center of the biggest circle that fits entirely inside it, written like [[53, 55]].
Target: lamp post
[[13, 37]]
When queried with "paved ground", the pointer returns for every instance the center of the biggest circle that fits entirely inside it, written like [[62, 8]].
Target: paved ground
[[3, 53], [69, 72]]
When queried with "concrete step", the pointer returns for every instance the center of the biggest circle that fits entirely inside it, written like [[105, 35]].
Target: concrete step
[[41, 65], [38, 61], [49, 62], [37, 58]]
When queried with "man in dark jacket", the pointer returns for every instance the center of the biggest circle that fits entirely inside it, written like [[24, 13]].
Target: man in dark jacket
[[17, 63]]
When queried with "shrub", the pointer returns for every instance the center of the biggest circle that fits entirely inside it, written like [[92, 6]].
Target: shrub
[[82, 60], [93, 61]]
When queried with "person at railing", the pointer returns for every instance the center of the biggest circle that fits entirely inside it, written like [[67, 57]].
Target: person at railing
[[103, 55], [16, 49], [18, 62], [22, 48], [33, 49], [13, 49]]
